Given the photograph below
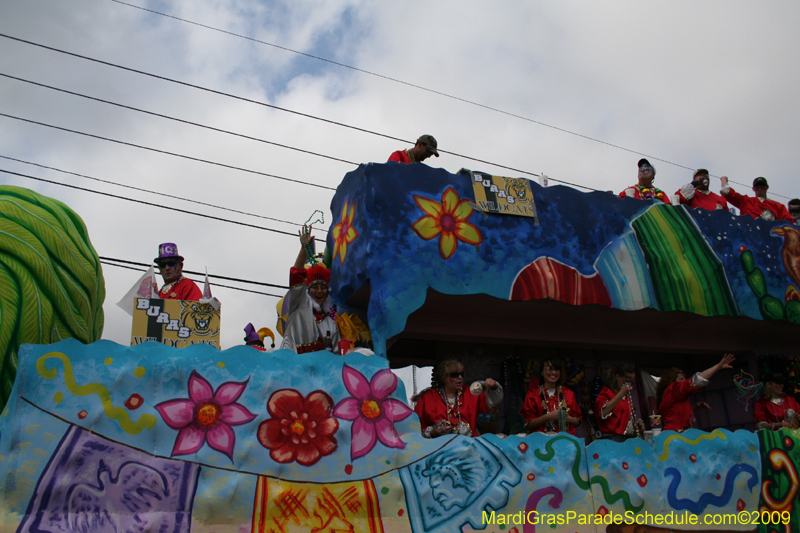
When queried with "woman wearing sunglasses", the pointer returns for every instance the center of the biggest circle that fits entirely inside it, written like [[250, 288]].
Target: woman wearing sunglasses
[[551, 408], [449, 407]]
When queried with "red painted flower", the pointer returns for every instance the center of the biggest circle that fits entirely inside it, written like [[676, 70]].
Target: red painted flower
[[344, 233], [301, 429], [448, 221]]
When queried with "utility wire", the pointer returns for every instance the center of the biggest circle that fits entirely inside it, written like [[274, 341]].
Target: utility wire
[[256, 102], [314, 117], [183, 156], [149, 191], [197, 281], [408, 84], [173, 209], [216, 276], [177, 119]]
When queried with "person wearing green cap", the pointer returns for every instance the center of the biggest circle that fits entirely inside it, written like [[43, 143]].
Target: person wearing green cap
[[426, 146]]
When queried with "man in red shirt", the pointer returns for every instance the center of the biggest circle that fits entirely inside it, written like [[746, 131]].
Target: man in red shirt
[[696, 193], [794, 210], [176, 287], [425, 147], [756, 207], [644, 190]]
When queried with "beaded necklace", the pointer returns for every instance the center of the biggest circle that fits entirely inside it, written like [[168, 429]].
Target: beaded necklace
[[166, 288], [777, 401], [454, 410], [648, 193], [320, 316], [562, 413], [632, 419]]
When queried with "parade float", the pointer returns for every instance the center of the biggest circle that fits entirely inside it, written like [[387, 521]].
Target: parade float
[[103, 437]]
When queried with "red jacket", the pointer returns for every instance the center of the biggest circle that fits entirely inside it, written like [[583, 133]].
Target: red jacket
[[754, 207], [532, 408], [617, 421], [431, 409], [185, 289], [709, 202], [675, 408], [401, 156], [766, 411]]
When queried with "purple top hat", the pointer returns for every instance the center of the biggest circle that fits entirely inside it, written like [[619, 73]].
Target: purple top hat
[[167, 250]]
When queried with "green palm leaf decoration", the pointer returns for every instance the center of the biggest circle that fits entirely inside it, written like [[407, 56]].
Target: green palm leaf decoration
[[51, 281]]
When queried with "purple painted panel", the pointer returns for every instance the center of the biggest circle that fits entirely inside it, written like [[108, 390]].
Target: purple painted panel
[[92, 484]]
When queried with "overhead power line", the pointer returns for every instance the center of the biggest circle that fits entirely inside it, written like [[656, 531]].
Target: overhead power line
[[182, 121], [173, 209], [408, 84], [256, 102], [314, 117], [213, 276], [148, 191], [109, 263], [174, 154]]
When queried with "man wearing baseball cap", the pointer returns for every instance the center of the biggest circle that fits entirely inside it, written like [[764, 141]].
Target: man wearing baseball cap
[[176, 287], [756, 207], [696, 194], [644, 190], [794, 210], [425, 147]]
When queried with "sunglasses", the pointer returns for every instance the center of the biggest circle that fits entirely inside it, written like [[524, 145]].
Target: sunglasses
[[645, 169], [165, 264], [456, 375]]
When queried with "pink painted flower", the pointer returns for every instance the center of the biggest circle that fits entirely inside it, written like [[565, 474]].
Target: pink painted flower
[[206, 416], [301, 429], [372, 412]]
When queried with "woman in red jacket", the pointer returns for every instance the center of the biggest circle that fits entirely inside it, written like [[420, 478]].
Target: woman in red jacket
[[450, 407], [616, 415], [775, 410], [674, 391], [551, 408]]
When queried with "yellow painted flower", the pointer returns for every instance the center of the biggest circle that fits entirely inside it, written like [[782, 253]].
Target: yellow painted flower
[[448, 221], [344, 233]]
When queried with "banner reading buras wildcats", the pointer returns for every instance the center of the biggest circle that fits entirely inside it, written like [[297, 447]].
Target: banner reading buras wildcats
[[507, 196], [175, 323]]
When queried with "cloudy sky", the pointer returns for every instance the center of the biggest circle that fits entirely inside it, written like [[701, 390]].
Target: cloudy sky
[[578, 90]]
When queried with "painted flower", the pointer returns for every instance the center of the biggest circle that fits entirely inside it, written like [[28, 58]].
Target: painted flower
[[344, 233], [301, 429], [372, 412], [206, 416], [448, 221]]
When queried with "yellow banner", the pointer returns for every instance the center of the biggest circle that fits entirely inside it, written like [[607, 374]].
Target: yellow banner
[[176, 323], [506, 196]]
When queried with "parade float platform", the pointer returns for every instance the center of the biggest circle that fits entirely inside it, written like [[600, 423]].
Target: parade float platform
[[104, 437]]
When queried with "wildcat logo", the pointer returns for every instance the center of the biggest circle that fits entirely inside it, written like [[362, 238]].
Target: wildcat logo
[[198, 317], [518, 188]]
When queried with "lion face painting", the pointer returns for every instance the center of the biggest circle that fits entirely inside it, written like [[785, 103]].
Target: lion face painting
[[517, 189], [201, 318]]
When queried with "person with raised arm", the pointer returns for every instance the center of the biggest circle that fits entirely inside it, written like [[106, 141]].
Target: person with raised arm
[[674, 390]]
